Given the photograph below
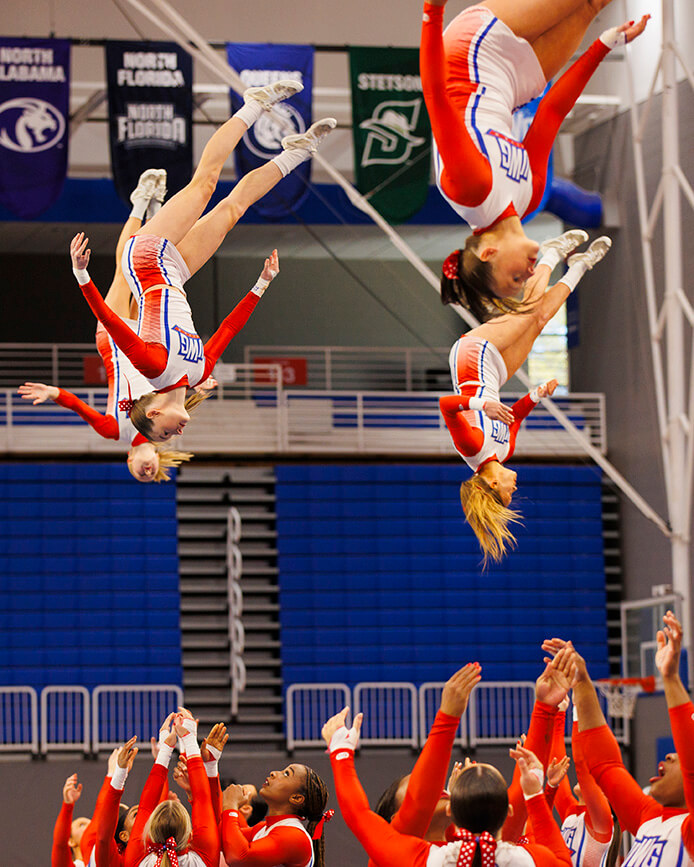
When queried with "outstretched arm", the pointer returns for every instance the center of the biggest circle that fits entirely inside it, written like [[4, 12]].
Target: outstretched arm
[[428, 776], [523, 407], [61, 855], [240, 315], [149, 358], [37, 392]]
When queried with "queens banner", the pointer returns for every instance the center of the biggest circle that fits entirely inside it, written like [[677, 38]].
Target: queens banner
[[150, 106], [34, 103], [258, 65], [391, 131]]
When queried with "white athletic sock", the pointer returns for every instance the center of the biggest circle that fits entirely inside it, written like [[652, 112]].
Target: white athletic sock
[[551, 258], [139, 208], [287, 161], [573, 275], [152, 208], [249, 112]]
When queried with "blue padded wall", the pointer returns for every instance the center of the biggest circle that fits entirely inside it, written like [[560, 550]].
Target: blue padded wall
[[89, 581], [380, 578]]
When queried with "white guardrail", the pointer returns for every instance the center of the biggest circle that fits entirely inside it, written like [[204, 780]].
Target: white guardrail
[[397, 714], [252, 413]]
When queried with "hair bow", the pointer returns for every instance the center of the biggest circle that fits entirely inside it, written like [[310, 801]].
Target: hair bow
[[470, 842], [451, 265], [326, 817], [169, 848]]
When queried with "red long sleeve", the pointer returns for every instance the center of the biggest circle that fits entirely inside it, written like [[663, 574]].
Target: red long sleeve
[[229, 328], [553, 852], [561, 796], [538, 741], [598, 812], [105, 425], [682, 725], [467, 175], [520, 409], [216, 796], [285, 845], [384, 845], [205, 827], [89, 837], [106, 850], [149, 358], [604, 761], [151, 796], [428, 778], [468, 440], [61, 854]]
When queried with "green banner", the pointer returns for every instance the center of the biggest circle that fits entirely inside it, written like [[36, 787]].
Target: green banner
[[390, 128]]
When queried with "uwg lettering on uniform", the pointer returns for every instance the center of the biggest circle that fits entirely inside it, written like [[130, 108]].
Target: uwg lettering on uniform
[[190, 346]]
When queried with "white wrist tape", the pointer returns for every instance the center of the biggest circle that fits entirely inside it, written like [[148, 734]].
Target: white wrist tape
[[528, 797], [82, 276], [343, 739], [476, 403], [164, 755], [211, 769], [120, 775], [534, 396], [260, 286], [191, 747], [613, 38], [215, 752]]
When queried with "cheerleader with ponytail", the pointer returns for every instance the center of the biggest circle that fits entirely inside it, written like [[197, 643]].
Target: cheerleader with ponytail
[[478, 805]]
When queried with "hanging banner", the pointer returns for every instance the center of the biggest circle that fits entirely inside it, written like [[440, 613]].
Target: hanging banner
[[391, 131], [257, 65], [34, 119], [150, 107]]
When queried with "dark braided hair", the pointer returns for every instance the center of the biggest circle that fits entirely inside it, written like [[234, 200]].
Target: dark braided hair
[[315, 794]]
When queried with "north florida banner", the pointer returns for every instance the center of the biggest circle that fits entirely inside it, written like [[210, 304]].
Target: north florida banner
[[391, 131], [150, 106], [257, 65], [34, 120]]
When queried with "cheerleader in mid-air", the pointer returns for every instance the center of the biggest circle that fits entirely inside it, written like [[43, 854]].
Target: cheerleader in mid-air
[[172, 246], [483, 429], [147, 462], [493, 58]]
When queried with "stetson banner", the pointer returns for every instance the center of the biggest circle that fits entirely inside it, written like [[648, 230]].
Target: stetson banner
[[391, 131], [260, 64], [150, 105], [34, 102]]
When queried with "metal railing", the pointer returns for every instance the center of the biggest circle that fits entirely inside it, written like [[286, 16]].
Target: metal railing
[[65, 718], [119, 712], [401, 713], [237, 638], [19, 719], [251, 417]]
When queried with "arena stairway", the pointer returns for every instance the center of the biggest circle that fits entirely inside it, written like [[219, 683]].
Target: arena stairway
[[204, 496]]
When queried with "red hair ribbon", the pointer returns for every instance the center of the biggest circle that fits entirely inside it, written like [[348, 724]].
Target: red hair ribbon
[[451, 265], [160, 848], [326, 817], [487, 846], [125, 405]]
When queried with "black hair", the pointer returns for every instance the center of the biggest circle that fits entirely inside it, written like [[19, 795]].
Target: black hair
[[479, 800], [259, 811], [315, 794], [386, 806]]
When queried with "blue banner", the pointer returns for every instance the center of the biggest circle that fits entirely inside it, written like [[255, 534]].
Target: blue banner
[[34, 118], [259, 65], [150, 113]]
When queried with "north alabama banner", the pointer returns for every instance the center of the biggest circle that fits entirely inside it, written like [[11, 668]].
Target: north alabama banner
[[150, 106], [391, 131], [257, 65], [34, 119]]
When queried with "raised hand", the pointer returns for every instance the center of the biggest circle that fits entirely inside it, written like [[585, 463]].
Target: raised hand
[[80, 252], [557, 771], [348, 738], [180, 776], [553, 685], [233, 797], [185, 723], [456, 692], [547, 389], [455, 773], [271, 268], [669, 641], [72, 790], [633, 29], [127, 753], [37, 392], [217, 739], [207, 385], [167, 734], [112, 762], [531, 773], [495, 410]]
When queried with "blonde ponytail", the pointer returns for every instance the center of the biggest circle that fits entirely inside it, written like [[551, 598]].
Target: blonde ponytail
[[489, 518]]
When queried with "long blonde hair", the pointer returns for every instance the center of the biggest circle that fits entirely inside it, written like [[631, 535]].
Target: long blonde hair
[[489, 518], [138, 412], [169, 819], [167, 458]]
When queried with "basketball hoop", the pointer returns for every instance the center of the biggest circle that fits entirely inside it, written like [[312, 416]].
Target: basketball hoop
[[621, 693]]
